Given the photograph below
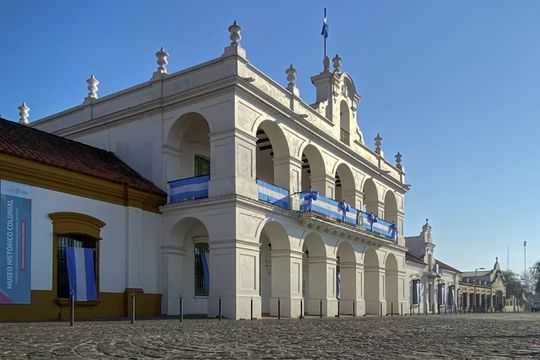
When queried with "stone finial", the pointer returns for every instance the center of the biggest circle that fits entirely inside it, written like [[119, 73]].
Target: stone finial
[[234, 48], [326, 64], [336, 63], [92, 88], [162, 61], [398, 161], [24, 112], [291, 77], [426, 228], [235, 31], [378, 143]]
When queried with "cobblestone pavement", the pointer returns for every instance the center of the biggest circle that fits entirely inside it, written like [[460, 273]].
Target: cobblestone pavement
[[491, 336]]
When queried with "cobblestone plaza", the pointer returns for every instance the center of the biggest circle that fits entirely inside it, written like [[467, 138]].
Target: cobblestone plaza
[[492, 336]]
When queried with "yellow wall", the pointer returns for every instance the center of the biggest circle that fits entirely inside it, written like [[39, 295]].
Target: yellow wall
[[45, 306]]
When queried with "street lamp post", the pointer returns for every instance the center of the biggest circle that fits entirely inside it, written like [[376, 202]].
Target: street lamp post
[[475, 281]]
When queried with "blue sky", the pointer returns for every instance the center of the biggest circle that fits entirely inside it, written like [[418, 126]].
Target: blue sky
[[453, 85]]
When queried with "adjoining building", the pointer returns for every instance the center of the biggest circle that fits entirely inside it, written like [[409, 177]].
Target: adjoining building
[[217, 185], [434, 285], [483, 290]]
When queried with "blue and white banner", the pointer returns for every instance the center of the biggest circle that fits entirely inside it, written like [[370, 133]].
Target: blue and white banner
[[15, 242], [188, 189], [416, 292], [273, 194], [206, 270], [373, 223], [82, 279], [312, 201]]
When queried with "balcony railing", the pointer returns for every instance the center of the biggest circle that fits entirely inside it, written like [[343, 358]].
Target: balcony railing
[[377, 225], [273, 194], [312, 201], [188, 189], [341, 211]]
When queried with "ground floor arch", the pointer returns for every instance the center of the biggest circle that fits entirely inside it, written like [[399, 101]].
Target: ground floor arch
[[187, 268], [373, 279], [391, 285]]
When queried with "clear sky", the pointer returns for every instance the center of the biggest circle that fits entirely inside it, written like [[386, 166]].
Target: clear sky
[[453, 85]]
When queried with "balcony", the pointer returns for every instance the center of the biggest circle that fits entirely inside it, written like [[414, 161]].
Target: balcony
[[188, 189], [273, 194], [312, 202]]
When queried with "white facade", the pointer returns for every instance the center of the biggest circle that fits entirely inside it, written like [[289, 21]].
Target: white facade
[[119, 271], [250, 127]]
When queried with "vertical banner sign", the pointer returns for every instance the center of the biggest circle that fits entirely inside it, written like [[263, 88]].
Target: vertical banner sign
[[15, 217]]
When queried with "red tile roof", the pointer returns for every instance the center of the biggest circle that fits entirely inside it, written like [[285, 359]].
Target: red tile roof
[[35, 145]]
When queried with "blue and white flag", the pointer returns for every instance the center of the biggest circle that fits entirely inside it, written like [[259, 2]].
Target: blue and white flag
[[205, 270], [82, 280], [324, 31]]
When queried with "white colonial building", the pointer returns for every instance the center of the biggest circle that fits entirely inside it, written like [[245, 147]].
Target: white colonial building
[[274, 201]]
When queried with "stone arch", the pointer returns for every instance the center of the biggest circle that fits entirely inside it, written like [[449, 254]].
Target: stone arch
[[390, 207], [371, 197], [313, 170], [187, 267], [314, 272], [344, 184], [391, 284], [272, 159], [346, 282], [186, 145], [344, 122], [372, 282], [274, 272]]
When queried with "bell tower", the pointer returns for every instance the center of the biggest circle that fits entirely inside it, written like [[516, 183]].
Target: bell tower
[[337, 100]]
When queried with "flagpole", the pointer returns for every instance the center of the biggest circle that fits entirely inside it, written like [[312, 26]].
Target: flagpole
[[325, 36]]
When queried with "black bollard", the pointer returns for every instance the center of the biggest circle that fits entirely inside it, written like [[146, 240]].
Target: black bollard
[[279, 309], [401, 307], [381, 309], [72, 308], [354, 308], [410, 309], [181, 312], [133, 307], [219, 309], [391, 309], [337, 309], [251, 308], [320, 310], [301, 308]]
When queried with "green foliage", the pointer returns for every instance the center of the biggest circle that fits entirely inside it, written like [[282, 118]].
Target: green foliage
[[536, 276], [514, 286]]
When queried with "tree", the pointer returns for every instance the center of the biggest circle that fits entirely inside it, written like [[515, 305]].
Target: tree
[[514, 286], [536, 276]]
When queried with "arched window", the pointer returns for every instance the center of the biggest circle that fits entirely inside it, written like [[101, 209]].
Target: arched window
[[73, 230]]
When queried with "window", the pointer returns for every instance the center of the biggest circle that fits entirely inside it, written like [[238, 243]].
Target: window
[[72, 230], [202, 274], [202, 165], [70, 240]]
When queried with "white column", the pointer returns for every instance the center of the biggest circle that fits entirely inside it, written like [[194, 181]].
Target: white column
[[351, 291], [322, 286], [286, 282], [173, 262]]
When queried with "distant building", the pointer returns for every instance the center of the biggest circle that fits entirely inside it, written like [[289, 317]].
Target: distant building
[[433, 284], [483, 290]]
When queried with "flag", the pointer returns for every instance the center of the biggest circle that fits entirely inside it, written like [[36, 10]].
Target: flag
[[324, 31], [82, 280], [205, 270]]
